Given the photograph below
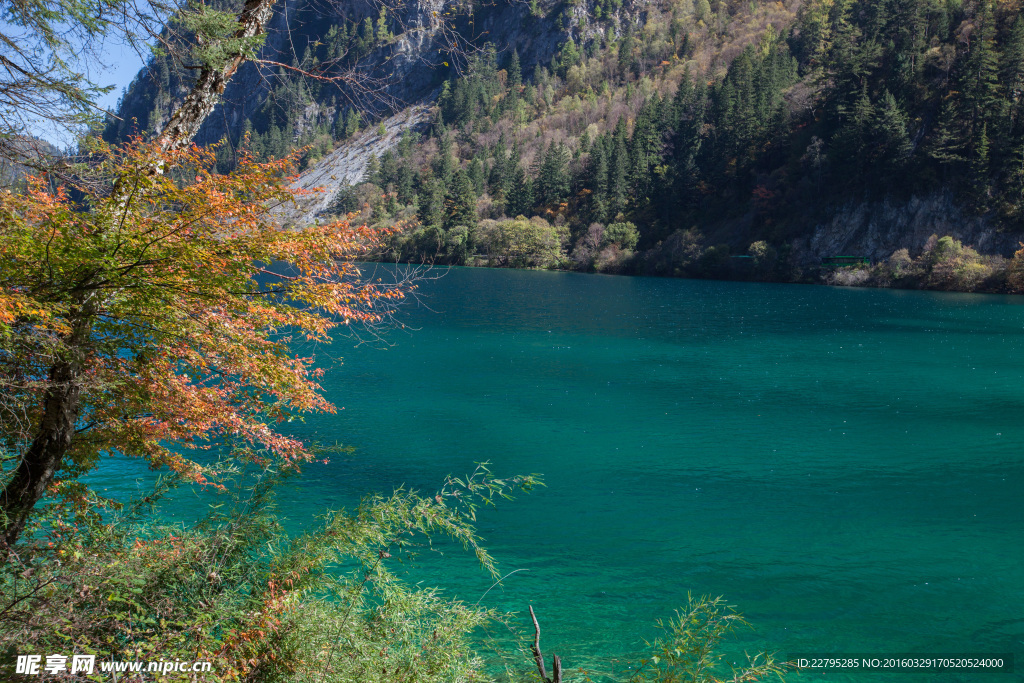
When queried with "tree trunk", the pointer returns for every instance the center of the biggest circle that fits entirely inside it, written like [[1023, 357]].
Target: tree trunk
[[42, 460], [208, 88], [62, 401]]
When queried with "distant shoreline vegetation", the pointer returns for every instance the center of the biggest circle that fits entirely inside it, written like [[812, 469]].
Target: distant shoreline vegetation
[[944, 264]]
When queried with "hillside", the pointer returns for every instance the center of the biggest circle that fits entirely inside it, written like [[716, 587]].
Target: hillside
[[710, 139]]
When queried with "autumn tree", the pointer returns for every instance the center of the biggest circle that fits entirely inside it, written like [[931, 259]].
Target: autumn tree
[[159, 320]]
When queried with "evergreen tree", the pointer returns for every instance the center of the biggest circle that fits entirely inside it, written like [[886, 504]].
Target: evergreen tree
[[1014, 187], [597, 182], [980, 79], [460, 202], [1012, 65], [352, 121], [889, 140], [980, 168], [431, 203], [405, 180], [645, 149], [568, 57], [515, 73], [851, 142], [444, 164], [552, 184], [946, 144], [501, 174], [618, 172], [520, 195], [372, 174], [626, 58], [383, 34], [477, 175], [367, 33]]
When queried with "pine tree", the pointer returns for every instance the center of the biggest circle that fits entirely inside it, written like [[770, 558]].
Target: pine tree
[[477, 175], [352, 120], [626, 56], [889, 140], [460, 202], [1012, 67], [980, 79], [850, 143], [645, 149], [618, 172], [946, 144], [515, 73], [552, 184], [383, 34], [225, 156], [431, 203], [500, 176], [568, 57], [980, 168], [1013, 198], [520, 195], [444, 164], [405, 180], [372, 173], [597, 182]]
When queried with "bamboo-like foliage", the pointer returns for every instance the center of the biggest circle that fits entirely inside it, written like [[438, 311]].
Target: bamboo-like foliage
[[327, 605]]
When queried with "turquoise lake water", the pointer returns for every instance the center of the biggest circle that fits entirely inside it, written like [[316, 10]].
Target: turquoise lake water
[[843, 465]]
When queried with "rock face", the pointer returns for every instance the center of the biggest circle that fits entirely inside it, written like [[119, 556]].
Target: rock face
[[346, 165], [877, 229], [432, 38]]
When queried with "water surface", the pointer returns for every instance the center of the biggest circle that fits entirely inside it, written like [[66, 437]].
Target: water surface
[[843, 465]]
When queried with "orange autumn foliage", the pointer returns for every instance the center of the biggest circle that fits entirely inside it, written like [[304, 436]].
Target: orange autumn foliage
[[180, 303]]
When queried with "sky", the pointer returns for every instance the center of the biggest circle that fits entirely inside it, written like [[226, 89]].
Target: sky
[[123, 64], [120, 64]]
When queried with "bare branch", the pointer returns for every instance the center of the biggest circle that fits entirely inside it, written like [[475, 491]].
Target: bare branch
[[556, 663]]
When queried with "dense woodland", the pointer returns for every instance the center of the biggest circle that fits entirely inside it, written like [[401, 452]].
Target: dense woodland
[[628, 143], [669, 139]]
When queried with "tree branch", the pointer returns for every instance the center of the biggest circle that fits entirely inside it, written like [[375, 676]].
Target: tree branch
[[556, 663]]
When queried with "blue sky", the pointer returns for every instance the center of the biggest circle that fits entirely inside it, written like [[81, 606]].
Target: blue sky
[[123, 64], [120, 64]]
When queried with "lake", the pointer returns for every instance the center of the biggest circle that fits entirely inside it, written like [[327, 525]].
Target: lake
[[843, 465]]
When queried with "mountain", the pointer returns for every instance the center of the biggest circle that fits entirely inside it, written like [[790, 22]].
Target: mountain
[[753, 140]]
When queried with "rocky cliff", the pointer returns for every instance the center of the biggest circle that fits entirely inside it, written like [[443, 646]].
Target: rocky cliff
[[347, 164], [427, 41], [877, 229]]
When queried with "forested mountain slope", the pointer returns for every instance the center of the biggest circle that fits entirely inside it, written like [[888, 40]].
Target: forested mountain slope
[[716, 139]]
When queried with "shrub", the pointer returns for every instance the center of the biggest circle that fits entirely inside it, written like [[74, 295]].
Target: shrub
[[850, 277], [587, 246], [1015, 272], [764, 255], [951, 265], [522, 243], [235, 590], [901, 265], [689, 651], [625, 235]]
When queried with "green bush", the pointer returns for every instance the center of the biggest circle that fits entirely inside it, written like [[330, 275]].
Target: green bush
[[625, 235], [523, 243], [951, 265], [235, 590], [329, 604], [690, 649]]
